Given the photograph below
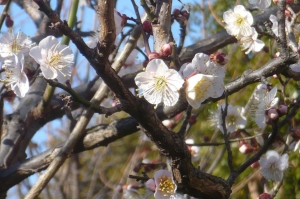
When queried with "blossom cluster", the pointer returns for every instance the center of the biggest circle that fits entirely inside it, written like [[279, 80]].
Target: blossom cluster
[[21, 56], [238, 24], [201, 79]]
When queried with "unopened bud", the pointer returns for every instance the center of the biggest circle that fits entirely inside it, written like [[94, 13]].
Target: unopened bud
[[283, 109], [153, 55], [9, 22], [168, 123], [147, 27], [266, 49], [206, 138], [273, 114], [275, 76], [185, 13], [276, 54], [176, 12], [3, 2], [265, 196], [275, 1], [297, 132], [166, 49], [192, 119], [255, 165], [287, 13], [220, 58], [245, 148], [137, 168], [289, 1]]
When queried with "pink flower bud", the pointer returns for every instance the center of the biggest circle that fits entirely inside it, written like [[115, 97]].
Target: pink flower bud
[[283, 109], [3, 2], [168, 123], [206, 138], [275, 1], [137, 168], [276, 55], [150, 184], [265, 196], [9, 22], [166, 49], [266, 49], [220, 58], [287, 13], [153, 55], [288, 1], [192, 119], [275, 76], [147, 27], [185, 13], [176, 12], [255, 165], [245, 148], [297, 132], [273, 114]]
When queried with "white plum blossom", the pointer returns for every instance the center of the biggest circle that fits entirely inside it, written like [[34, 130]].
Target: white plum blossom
[[265, 101], [54, 58], [15, 78], [159, 83], [273, 165], [274, 21], [204, 79], [234, 120], [165, 186], [261, 3], [251, 43], [238, 22], [11, 44]]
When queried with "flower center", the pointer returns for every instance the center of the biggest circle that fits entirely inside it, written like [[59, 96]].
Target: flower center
[[15, 47], [160, 82], [240, 20], [231, 119], [166, 185], [54, 58], [201, 88]]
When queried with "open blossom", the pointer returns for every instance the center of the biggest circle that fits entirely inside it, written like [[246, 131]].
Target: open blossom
[[159, 83], [274, 21], [15, 78], [11, 44], [251, 43], [273, 165], [261, 3], [265, 101], [204, 79], [238, 22], [165, 186], [55, 59], [234, 120]]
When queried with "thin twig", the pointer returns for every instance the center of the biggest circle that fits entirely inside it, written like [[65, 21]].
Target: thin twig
[[136, 9], [226, 136]]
